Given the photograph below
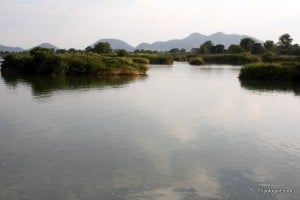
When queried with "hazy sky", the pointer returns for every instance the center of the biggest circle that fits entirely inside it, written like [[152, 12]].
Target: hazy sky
[[79, 23]]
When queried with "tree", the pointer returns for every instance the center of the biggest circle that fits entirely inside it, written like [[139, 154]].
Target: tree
[[174, 50], [270, 45], [61, 51], [219, 48], [72, 50], [40, 54], [195, 50], [257, 49], [102, 48], [122, 52], [296, 50], [88, 49], [247, 44], [285, 44], [206, 47], [235, 49]]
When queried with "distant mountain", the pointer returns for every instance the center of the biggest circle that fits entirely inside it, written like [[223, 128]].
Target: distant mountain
[[117, 44], [48, 46], [194, 41], [10, 49]]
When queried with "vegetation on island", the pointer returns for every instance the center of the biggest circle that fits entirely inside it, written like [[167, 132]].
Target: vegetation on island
[[98, 62]]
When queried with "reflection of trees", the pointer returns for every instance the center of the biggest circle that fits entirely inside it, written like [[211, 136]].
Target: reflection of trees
[[45, 84], [271, 86]]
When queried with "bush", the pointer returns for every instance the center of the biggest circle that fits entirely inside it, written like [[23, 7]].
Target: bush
[[197, 61]]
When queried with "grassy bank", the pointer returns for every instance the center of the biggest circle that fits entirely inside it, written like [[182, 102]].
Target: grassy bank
[[271, 71], [46, 62]]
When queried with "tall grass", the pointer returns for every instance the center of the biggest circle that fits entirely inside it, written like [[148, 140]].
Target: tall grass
[[271, 71]]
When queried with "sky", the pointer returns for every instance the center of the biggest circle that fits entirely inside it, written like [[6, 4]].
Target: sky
[[80, 23]]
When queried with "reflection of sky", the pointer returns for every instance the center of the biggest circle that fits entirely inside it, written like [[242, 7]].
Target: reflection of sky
[[153, 138]]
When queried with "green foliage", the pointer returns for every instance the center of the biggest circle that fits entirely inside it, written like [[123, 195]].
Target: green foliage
[[138, 60], [177, 50], [21, 63], [268, 57], [272, 57], [296, 50], [158, 59], [247, 44], [122, 52], [45, 61], [180, 57], [197, 61], [269, 45], [233, 59], [102, 48], [257, 49], [271, 71], [218, 49], [285, 44], [235, 49], [206, 47], [61, 51]]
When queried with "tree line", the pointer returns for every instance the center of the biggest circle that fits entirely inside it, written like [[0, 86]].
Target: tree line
[[284, 46]]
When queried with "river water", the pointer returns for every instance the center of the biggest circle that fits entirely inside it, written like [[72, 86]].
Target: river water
[[182, 132]]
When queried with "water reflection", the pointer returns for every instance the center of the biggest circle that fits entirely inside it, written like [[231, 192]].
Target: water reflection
[[183, 133], [271, 86], [43, 86]]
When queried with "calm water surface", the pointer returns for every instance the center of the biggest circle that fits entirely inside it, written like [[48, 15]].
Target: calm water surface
[[182, 132]]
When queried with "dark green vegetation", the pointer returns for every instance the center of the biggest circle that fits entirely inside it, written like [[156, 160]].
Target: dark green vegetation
[[234, 59], [197, 61], [157, 59], [271, 71], [47, 62]]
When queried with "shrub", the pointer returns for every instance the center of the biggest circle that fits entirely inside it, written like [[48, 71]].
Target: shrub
[[197, 61]]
